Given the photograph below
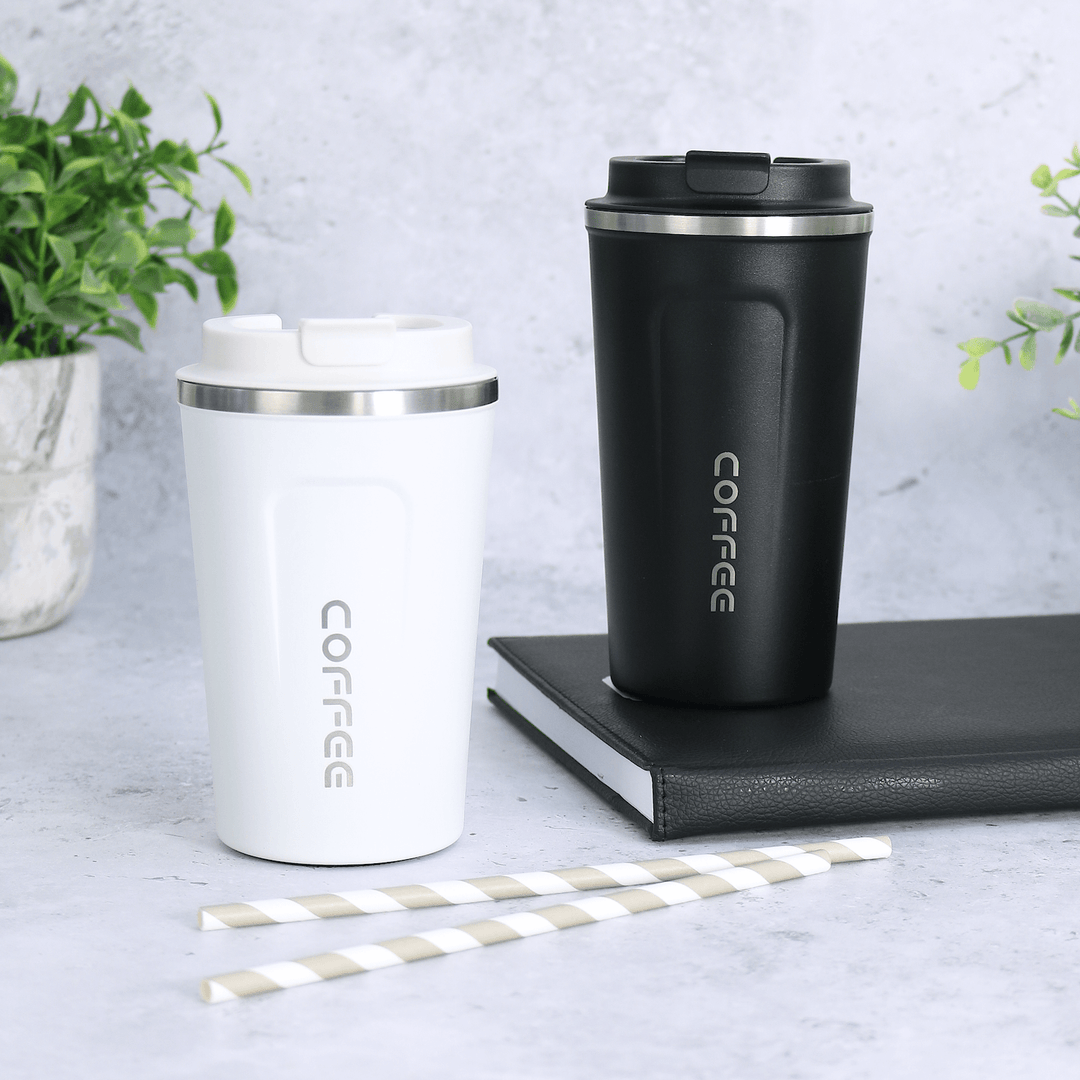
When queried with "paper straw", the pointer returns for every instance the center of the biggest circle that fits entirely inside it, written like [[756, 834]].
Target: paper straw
[[506, 886], [403, 950]]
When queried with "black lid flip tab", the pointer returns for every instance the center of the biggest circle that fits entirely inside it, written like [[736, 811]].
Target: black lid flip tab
[[721, 173]]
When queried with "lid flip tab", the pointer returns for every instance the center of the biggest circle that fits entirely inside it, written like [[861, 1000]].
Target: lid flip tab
[[721, 173], [347, 342]]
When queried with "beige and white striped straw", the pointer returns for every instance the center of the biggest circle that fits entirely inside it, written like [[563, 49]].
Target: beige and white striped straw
[[507, 886], [523, 924]]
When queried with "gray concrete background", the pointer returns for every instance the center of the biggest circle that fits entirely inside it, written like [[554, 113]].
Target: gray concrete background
[[435, 157]]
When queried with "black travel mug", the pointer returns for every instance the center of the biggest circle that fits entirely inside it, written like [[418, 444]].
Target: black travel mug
[[727, 296]]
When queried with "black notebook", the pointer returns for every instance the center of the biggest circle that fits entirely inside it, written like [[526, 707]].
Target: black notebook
[[961, 716]]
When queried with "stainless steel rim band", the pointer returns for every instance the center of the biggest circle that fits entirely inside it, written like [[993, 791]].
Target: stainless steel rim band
[[427, 399], [717, 225]]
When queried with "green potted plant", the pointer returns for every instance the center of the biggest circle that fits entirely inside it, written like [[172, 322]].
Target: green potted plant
[[81, 239], [1033, 316]]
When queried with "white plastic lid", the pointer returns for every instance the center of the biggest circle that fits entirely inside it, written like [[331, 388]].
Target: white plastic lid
[[382, 353]]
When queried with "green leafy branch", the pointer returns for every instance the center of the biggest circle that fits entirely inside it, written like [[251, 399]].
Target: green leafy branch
[[74, 233], [1033, 316]]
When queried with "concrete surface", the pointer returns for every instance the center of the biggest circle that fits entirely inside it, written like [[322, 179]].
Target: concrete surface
[[955, 957]]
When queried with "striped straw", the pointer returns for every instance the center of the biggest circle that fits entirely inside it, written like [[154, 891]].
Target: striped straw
[[507, 886], [592, 909]]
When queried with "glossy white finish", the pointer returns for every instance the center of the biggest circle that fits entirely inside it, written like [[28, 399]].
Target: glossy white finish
[[338, 562], [386, 516]]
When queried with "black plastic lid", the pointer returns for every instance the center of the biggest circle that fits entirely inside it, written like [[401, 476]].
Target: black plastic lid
[[704, 182]]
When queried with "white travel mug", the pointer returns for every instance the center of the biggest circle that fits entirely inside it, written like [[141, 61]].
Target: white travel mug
[[337, 479]]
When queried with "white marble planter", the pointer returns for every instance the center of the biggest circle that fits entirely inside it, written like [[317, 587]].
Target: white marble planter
[[48, 434]]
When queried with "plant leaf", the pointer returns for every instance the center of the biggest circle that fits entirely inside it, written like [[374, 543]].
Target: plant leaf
[[214, 262], [1007, 351], [33, 299], [25, 217], [146, 304], [1039, 315], [108, 301], [978, 346], [1065, 174], [187, 159], [227, 290], [69, 312], [237, 172], [23, 180], [122, 328], [91, 284], [13, 285], [1027, 353], [150, 278], [1069, 294], [77, 165], [64, 250], [105, 247], [1041, 177], [165, 153], [1066, 341], [132, 250], [9, 84], [127, 128], [72, 116], [1073, 413], [217, 114], [1019, 322], [181, 277], [85, 183], [170, 232], [134, 105], [224, 224], [77, 236], [176, 179], [969, 373], [116, 167], [59, 207], [1053, 210], [31, 159]]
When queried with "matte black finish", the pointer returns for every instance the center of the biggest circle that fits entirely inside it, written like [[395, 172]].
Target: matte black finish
[[726, 374], [795, 185]]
